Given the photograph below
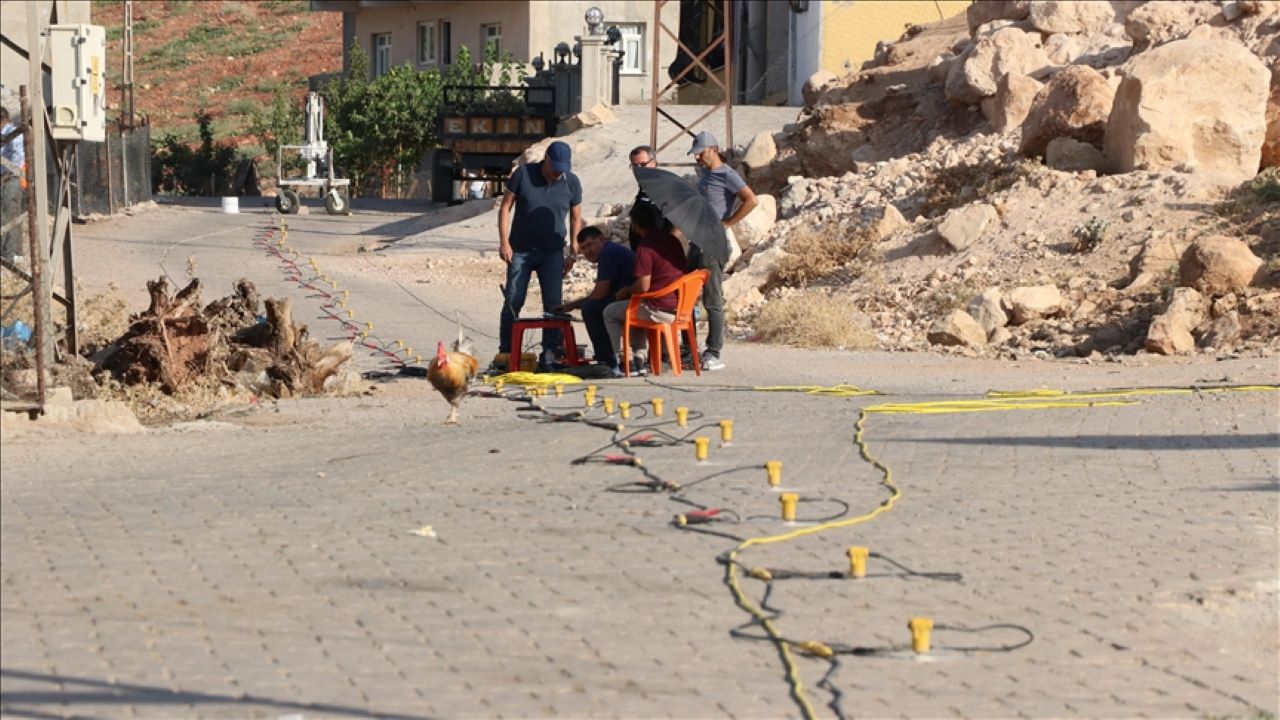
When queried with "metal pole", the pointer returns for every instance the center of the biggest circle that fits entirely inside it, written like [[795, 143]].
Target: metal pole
[[34, 235], [728, 73], [653, 93], [126, 83]]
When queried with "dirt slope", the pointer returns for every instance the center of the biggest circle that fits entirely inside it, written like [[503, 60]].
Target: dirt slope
[[228, 58]]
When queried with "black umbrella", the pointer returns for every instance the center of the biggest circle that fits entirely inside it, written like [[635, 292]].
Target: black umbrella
[[684, 206]]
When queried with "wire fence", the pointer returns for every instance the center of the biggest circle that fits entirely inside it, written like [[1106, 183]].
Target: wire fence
[[113, 175]]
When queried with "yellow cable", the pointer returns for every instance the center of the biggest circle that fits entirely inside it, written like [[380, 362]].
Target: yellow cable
[[842, 390], [998, 401], [528, 378]]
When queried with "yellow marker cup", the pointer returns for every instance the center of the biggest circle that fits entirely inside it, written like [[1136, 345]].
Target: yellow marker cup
[[624, 409], [700, 448], [773, 469], [920, 629], [657, 406], [608, 406], [682, 416], [789, 501], [559, 390], [726, 431], [858, 561], [591, 395]]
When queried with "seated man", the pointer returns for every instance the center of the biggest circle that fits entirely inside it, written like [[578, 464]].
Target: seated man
[[660, 261], [615, 272]]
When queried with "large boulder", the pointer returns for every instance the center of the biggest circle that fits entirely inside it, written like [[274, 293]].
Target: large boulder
[[981, 12], [1218, 264], [1222, 333], [1271, 141], [986, 309], [1154, 23], [755, 227], [975, 74], [1071, 16], [762, 151], [1188, 304], [1096, 51], [1169, 110], [1030, 303], [1168, 335], [963, 225], [813, 87], [957, 328], [1012, 101], [1075, 103], [1071, 155]]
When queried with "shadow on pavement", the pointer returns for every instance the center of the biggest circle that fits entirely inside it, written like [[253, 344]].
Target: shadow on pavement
[[65, 692], [1125, 442]]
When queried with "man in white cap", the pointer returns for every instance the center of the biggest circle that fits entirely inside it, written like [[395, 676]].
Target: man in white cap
[[727, 194]]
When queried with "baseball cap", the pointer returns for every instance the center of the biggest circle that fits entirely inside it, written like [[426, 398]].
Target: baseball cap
[[702, 141], [559, 155]]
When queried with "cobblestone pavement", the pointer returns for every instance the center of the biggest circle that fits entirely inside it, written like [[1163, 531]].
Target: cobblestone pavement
[[261, 564]]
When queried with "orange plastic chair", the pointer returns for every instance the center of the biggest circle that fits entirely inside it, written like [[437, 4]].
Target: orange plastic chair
[[663, 335]]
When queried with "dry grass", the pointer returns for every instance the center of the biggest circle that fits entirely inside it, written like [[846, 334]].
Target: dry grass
[[962, 184], [948, 296], [1252, 210], [814, 319], [813, 254]]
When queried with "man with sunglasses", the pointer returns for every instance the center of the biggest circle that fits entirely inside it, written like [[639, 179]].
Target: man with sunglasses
[[643, 156]]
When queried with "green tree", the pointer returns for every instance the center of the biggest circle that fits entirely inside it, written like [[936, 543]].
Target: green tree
[[280, 124], [204, 170], [381, 128]]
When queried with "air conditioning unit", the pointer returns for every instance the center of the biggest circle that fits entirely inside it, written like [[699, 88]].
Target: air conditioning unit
[[78, 100]]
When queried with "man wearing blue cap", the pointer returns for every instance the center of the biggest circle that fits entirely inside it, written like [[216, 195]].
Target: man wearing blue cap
[[533, 241], [727, 194]]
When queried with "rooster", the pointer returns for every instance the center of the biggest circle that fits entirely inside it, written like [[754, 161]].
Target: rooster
[[450, 373]]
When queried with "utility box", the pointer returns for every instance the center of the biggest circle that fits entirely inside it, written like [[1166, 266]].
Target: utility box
[[78, 99]]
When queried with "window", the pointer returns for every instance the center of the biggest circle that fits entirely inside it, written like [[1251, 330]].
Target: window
[[427, 43], [381, 54], [632, 47], [491, 35], [446, 44]]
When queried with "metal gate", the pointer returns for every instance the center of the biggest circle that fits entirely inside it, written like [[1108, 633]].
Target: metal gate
[[113, 175]]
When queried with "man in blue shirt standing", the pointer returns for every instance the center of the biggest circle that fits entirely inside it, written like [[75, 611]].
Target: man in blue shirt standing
[[532, 241], [615, 270], [723, 188]]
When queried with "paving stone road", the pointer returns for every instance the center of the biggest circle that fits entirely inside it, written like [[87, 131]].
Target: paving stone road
[[260, 563]]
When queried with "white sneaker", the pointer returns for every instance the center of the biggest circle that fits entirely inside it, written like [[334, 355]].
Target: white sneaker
[[712, 361]]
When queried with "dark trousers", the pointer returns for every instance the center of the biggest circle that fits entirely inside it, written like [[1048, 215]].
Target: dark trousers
[[549, 265], [712, 297], [593, 318]]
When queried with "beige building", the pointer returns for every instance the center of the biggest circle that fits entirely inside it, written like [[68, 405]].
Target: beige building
[[429, 34]]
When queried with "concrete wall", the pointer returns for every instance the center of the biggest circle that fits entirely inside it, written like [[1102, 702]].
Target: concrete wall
[[804, 38], [13, 23], [851, 28]]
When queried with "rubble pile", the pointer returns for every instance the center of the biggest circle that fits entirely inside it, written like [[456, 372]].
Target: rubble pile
[[1054, 178]]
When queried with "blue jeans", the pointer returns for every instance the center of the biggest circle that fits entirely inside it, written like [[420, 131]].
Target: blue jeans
[[549, 265], [593, 318]]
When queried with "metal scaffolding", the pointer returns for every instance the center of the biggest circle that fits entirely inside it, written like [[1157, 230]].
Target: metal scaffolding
[[49, 244], [722, 39]]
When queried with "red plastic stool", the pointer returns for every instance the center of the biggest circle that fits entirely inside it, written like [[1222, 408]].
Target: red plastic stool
[[564, 325]]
